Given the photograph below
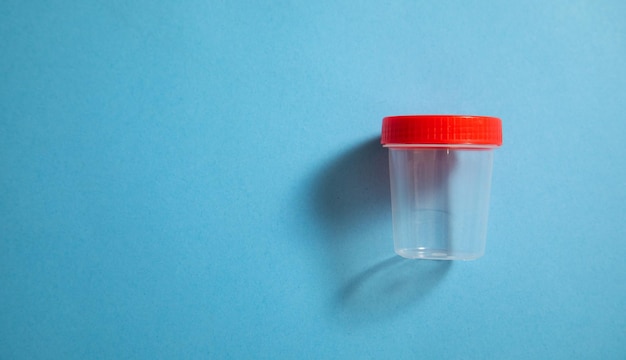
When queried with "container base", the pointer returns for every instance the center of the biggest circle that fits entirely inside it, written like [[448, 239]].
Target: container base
[[435, 254]]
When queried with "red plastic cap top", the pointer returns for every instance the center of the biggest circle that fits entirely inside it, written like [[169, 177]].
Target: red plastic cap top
[[442, 130]]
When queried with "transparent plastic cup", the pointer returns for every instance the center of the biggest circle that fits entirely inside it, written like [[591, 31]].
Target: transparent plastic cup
[[440, 172]]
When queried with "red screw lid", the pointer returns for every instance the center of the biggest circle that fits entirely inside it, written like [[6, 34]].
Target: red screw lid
[[441, 130]]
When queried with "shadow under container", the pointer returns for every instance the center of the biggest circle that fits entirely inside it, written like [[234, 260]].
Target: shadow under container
[[440, 172]]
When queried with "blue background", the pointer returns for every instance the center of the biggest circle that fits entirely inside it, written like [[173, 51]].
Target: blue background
[[203, 179]]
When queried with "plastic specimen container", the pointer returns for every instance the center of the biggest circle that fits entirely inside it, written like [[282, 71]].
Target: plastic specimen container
[[440, 171]]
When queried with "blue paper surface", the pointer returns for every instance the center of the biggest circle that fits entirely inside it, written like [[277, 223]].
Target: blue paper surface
[[203, 179]]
